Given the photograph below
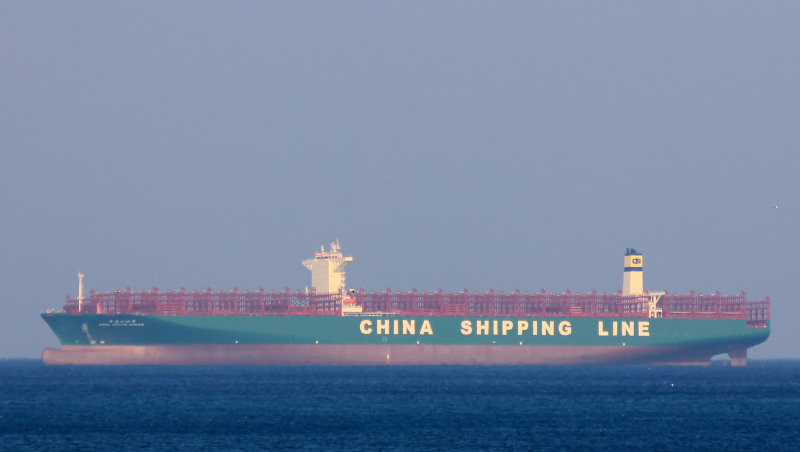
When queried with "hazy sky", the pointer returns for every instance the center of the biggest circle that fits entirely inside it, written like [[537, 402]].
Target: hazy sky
[[446, 144]]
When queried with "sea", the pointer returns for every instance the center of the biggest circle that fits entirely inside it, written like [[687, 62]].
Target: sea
[[400, 408]]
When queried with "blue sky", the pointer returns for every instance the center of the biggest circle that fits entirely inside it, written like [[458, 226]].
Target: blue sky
[[446, 144]]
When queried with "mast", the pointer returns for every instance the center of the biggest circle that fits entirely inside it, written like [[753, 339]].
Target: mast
[[80, 291]]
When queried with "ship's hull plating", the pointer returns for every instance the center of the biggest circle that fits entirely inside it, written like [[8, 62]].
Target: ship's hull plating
[[371, 355], [96, 339]]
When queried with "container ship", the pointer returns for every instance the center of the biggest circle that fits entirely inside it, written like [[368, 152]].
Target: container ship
[[331, 325]]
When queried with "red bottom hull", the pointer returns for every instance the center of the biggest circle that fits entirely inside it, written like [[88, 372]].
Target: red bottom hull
[[349, 355]]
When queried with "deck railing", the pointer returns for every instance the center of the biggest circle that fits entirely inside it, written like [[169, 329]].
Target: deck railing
[[439, 303]]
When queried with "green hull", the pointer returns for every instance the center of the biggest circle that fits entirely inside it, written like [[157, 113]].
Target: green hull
[[237, 339]]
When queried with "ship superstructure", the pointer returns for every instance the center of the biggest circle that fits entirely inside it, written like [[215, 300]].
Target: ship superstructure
[[328, 269]]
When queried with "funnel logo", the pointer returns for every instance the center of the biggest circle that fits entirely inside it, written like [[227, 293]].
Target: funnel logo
[[637, 260]]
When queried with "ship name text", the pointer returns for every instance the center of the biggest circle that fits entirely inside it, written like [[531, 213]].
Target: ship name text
[[122, 322], [395, 327], [520, 327], [623, 328], [412, 327]]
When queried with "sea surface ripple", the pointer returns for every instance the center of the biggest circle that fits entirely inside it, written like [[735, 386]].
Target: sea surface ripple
[[399, 408]]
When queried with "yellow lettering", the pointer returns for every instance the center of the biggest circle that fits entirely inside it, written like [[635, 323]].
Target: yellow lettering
[[565, 328], [508, 325], [494, 327], [396, 327], [383, 327], [522, 325], [366, 327], [466, 327], [627, 328], [614, 327], [409, 327], [483, 326], [425, 328], [535, 328], [548, 328], [600, 330], [644, 328]]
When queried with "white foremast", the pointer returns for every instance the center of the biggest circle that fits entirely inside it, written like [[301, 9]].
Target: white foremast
[[80, 291]]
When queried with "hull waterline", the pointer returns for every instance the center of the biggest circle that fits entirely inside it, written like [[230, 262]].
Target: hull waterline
[[371, 355]]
